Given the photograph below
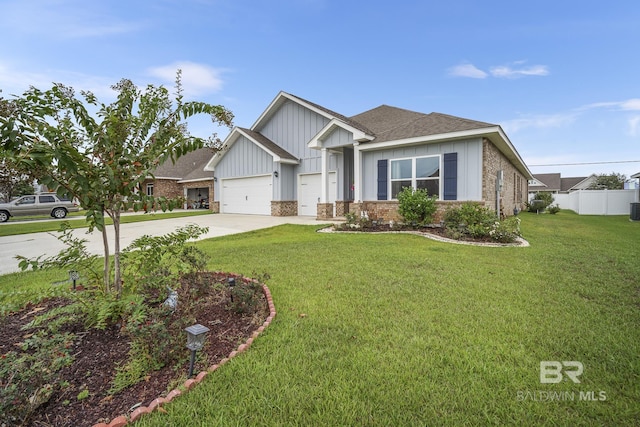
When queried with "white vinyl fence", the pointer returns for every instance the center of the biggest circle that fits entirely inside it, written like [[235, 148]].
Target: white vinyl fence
[[598, 202]]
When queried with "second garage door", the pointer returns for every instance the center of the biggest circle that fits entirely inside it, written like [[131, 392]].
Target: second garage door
[[247, 195], [309, 189]]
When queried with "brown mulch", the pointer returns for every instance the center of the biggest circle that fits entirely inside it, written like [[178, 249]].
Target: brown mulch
[[97, 353]]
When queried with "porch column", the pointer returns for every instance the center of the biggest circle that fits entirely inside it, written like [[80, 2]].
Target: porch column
[[324, 187], [186, 202], [357, 162]]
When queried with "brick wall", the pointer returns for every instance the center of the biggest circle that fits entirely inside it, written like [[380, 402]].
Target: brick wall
[[325, 210], [284, 208], [388, 210], [171, 189], [515, 186], [342, 207]]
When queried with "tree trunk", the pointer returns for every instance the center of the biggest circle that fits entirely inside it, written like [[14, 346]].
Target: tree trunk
[[105, 243], [116, 252]]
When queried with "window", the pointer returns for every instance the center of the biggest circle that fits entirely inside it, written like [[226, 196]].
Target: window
[[47, 199], [418, 173], [27, 200], [150, 189]]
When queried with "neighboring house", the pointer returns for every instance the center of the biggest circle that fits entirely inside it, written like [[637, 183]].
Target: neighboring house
[[185, 178], [300, 158], [555, 184]]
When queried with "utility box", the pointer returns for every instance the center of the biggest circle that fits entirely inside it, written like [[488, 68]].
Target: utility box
[[635, 212]]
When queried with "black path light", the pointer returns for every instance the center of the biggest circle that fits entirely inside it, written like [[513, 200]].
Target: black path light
[[196, 335], [232, 284], [74, 276]]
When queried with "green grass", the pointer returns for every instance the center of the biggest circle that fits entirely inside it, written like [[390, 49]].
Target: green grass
[[25, 227], [400, 330]]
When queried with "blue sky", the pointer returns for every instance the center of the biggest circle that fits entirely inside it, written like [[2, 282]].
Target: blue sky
[[561, 77]]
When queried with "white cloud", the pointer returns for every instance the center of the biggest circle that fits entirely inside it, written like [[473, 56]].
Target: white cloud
[[467, 70], [509, 72], [501, 71], [197, 79], [539, 122], [632, 104]]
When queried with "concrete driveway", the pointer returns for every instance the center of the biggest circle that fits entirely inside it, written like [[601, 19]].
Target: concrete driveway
[[36, 244]]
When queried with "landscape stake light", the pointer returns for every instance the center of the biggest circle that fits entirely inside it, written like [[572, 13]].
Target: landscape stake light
[[232, 283], [73, 275], [196, 335]]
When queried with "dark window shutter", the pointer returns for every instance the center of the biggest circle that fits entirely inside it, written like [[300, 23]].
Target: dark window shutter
[[450, 176], [382, 179]]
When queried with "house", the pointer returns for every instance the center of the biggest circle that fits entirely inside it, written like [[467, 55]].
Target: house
[[300, 158], [185, 178], [555, 184]]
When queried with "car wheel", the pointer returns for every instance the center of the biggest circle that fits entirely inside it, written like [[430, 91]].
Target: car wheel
[[4, 216], [59, 213]]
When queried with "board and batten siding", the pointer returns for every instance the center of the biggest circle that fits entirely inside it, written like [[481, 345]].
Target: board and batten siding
[[243, 159], [338, 138], [292, 127], [469, 184]]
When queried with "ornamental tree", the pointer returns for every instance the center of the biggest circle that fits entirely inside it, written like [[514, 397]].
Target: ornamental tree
[[100, 153]]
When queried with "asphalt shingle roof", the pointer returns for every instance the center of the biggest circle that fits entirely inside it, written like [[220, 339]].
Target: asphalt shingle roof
[[188, 167], [392, 123], [270, 145]]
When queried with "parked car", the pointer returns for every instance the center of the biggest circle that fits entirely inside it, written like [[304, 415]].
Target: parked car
[[38, 204]]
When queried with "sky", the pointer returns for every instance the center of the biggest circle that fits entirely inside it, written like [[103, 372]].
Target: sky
[[562, 78]]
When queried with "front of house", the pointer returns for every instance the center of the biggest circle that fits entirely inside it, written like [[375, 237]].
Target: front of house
[[300, 158]]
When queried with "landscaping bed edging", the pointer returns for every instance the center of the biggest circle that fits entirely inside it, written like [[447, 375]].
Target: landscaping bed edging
[[157, 403]]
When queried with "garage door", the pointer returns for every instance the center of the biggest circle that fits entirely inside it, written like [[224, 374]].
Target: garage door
[[309, 190], [247, 195]]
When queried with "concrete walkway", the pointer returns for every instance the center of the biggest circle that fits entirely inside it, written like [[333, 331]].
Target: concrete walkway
[[36, 244]]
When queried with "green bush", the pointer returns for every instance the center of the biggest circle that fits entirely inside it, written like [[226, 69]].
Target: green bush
[[478, 222], [553, 209], [416, 206], [540, 201]]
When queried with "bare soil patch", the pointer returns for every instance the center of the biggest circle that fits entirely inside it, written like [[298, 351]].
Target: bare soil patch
[[98, 353]]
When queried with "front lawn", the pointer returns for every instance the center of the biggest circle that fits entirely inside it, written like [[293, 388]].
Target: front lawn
[[395, 329]]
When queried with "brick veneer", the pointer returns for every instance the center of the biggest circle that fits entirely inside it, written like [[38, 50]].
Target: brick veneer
[[388, 210], [325, 210], [284, 208], [515, 185], [171, 189], [342, 208]]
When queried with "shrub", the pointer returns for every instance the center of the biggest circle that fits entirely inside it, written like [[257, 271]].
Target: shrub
[[553, 209], [540, 201], [416, 206], [479, 222]]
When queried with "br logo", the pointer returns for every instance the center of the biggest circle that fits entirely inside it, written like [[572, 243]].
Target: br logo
[[551, 371]]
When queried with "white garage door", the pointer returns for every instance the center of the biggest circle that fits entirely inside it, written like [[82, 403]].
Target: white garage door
[[309, 190], [247, 195]]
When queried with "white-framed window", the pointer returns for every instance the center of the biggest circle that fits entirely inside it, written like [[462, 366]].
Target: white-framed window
[[150, 189], [415, 172]]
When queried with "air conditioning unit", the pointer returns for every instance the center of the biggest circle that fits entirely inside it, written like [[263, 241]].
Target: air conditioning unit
[[635, 212]]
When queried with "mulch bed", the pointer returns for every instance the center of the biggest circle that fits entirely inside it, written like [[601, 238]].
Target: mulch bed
[[97, 353]]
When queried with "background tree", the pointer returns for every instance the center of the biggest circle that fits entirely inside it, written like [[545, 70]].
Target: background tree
[[13, 182], [612, 181], [102, 159]]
